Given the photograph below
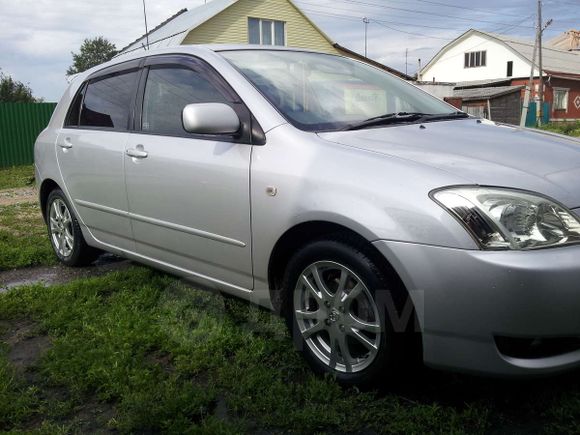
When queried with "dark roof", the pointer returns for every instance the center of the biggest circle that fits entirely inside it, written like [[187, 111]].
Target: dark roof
[[483, 83], [485, 93]]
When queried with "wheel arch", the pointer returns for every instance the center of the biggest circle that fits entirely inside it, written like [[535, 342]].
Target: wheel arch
[[47, 186], [305, 232]]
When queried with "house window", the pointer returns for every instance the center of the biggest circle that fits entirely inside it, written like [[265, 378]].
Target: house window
[[266, 32], [510, 68], [475, 59], [561, 99]]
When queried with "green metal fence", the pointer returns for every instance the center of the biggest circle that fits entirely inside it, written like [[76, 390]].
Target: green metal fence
[[20, 124]]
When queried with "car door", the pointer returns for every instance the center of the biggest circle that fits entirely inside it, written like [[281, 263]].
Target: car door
[[189, 197], [90, 150]]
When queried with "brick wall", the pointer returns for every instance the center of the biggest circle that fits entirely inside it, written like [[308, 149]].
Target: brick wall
[[572, 112]]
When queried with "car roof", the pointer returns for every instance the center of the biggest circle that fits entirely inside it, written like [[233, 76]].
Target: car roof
[[186, 49]]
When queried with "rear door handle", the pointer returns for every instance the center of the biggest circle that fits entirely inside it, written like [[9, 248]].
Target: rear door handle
[[66, 144], [137, 153]]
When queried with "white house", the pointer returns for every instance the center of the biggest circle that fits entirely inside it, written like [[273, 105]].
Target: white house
[[477, 55], [482, 59]]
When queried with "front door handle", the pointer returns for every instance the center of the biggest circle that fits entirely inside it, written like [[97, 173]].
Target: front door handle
[[66, 144], [137, 153]]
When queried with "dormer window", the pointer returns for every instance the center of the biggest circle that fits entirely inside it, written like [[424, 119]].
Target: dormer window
[[475, 59], [266, 32]]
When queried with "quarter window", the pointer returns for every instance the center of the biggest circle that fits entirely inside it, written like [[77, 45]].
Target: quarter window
[[266, 32], [72, 118], [560, 99], [107, 102], [475, 59], [167, 92]]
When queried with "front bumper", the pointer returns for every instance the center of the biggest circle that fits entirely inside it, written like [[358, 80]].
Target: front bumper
[[465, 299]]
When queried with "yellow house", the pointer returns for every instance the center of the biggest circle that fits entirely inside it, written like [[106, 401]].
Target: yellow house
[[262, 22]]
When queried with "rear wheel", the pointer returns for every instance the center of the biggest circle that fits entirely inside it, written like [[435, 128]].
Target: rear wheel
[[336, 308], [65, 233]]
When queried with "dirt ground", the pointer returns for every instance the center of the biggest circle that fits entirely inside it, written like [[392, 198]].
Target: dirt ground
[[18, 196], [59, 274]]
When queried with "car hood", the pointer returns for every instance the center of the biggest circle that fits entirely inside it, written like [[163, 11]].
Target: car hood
[[481, 152]]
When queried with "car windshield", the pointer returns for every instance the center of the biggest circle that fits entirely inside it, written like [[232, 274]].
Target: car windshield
[[323, 92]]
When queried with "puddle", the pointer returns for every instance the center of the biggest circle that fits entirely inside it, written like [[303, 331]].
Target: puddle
[[59, 274]]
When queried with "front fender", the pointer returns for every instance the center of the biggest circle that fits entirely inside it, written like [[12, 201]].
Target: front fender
[[376, 196]]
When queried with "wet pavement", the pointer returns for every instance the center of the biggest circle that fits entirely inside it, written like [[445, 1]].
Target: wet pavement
[[60, 274]]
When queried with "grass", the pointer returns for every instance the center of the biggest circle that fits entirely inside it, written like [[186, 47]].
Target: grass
[[17, 176], [138, 351], [23, 237], [567, 128]]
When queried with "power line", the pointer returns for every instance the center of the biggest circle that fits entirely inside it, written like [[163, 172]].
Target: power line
[[483, 42], [412, 33], [484, 11], [350, 18], [431, 14], [382, 21], [385, 23]]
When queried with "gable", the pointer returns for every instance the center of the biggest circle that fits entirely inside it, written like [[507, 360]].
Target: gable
[[449, 64], [231, 25]]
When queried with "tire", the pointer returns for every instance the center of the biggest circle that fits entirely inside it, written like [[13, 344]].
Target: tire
[[65, 233], [376, 348]]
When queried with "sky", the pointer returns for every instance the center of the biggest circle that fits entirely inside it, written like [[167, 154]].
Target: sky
[[38, 36]]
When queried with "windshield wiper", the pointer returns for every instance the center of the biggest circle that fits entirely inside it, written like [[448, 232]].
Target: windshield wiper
[[388, 118], [402, 117], [444, 116]]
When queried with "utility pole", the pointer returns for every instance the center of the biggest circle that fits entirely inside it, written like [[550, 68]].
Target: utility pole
[[530, 84], [366, 21], [540, 70], [540, 27]]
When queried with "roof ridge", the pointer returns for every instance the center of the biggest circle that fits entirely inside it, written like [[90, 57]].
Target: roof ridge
[[171, 18]]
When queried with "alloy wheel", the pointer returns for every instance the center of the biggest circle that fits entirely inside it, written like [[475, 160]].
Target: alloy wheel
[[337, 317], [61, 228]]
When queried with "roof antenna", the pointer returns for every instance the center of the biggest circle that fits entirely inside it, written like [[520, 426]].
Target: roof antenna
[[146, 30]]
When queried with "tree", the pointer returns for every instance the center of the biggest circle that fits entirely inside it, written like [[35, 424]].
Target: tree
[[92, 53], [13, 91]]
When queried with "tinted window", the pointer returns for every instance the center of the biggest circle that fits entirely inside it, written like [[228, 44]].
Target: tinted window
[[107, 102], [72, 119], [168, 91]]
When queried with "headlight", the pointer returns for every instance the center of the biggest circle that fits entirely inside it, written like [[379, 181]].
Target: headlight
[[502, 219]]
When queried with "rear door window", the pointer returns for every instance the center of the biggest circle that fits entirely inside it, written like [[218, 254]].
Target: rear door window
[[107, 102]]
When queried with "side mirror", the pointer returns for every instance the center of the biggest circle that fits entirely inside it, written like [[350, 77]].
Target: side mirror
[[210, 118]]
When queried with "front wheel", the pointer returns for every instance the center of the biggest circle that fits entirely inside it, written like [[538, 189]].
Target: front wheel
[[337, 310], [65, 233]]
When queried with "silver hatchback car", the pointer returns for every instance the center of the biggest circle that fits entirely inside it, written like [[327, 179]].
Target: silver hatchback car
[[381, 222]]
